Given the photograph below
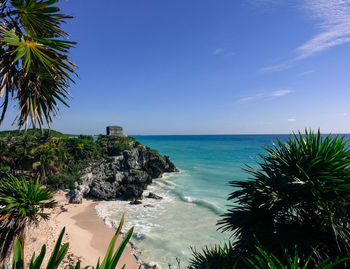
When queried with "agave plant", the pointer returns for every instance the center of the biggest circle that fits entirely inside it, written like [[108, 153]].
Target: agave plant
[[265, 260], [225, 258], [34, 66], [110, 260], [22, 204], [299, 195], [213, 257]]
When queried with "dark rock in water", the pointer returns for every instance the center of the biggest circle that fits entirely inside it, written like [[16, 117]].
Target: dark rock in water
[[124, 176], [148, 205], [154, 196], [136, 202]]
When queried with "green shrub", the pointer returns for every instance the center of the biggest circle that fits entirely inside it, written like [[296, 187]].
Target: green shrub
[[213, 257], [32, 133], [116, 149], [265, 260], [299, 195], [63, 181], [22, 203], [226, 258], [153, 151], [4, 171], [86, 137], [135, 172]]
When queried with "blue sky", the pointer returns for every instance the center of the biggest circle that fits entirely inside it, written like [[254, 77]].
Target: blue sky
[[208, 66]]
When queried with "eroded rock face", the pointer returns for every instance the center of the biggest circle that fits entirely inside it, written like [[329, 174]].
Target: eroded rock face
[[124, 176], [151, 195]]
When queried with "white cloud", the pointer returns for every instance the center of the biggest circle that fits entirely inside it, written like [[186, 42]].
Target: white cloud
[[251, 98], [306, 73], [334, 17], [333, 20], [275, 68], [292, 120], [218, 51], [280, 93], [274, 94]]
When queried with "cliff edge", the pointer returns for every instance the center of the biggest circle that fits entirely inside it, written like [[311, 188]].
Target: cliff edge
[[125, 175]]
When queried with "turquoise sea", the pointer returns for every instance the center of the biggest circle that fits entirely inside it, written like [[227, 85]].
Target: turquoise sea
[[194, 198]]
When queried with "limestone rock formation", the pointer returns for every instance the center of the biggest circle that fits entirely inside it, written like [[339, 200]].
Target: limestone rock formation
[[125, 176]]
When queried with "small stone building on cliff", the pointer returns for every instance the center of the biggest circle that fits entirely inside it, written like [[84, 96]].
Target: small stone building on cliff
[[115, 130]]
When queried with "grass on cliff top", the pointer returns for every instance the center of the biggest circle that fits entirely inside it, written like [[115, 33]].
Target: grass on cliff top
[[32, 132]]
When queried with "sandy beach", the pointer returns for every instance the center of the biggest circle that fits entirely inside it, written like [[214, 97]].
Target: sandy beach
[[86, 233]]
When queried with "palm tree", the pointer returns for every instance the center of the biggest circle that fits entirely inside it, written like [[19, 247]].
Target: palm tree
[[34, 67], [22, 204], [298, 195], [46, 158]]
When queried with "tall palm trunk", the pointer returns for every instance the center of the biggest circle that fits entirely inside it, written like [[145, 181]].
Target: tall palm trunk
[[43, 173]]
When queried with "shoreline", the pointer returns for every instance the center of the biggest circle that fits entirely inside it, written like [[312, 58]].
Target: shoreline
[[87, 234], [113, 225]]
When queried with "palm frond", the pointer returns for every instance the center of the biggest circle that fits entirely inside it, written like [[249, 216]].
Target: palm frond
[[299, 194], [22, 203], [34, 67]]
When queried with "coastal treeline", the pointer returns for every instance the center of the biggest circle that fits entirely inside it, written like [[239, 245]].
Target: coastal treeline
[[54, 157]]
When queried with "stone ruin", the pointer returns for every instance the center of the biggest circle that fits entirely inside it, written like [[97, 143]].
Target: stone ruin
[[115, 130]]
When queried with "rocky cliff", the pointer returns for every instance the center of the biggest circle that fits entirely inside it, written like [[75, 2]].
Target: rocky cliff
[[125, 175]]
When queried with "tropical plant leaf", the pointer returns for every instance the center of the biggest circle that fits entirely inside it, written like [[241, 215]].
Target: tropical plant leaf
[[34, 67], [297, 194]]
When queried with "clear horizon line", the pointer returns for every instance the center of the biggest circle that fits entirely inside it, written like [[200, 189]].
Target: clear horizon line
[[230, 134], [197, 134]]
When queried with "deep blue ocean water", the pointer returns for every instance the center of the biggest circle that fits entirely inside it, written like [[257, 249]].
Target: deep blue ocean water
[[194, 198]]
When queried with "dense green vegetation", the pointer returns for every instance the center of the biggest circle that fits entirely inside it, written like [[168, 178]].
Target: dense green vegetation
[[296, 260], [35, 70], [22, 203], [56, 158], [297, 200], [32, 132], [225, 258]]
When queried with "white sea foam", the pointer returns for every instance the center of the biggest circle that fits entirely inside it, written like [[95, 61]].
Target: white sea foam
[[138, 216], [158, 230], [188, 199], [167, 175]]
